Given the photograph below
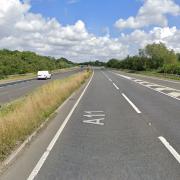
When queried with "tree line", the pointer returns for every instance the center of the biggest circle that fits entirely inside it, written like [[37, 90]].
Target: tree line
[[153, 57], [16, 62], [93, 63]]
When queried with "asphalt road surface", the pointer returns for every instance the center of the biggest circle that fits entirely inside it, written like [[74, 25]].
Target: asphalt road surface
[[117, 129], [14, 91]]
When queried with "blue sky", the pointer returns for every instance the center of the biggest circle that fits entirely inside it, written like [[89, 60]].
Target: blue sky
[[98, 15], [83, 30]]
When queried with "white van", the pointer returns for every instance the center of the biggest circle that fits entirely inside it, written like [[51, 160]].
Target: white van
[[43, 75]]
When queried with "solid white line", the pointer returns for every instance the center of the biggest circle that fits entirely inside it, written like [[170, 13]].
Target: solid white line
[[155, 89], [115, 86], [170, 148], [161, 79], [130, 102], [43, 158]]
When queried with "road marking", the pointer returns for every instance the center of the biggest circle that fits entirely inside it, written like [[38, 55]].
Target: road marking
[[159, 79], [94, 115], [170, 148], [107, 77], [153, 85], [94, 121], [164, 89], [130, 102], [43, 158], [91, 114], [115, 86], [175, 94], [159, 88]]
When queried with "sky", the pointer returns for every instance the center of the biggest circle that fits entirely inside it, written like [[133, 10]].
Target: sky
[[83, 30]]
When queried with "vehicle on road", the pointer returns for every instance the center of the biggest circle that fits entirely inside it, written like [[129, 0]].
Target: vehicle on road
[[43, 75]]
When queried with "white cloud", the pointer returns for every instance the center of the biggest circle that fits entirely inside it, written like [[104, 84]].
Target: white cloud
[[153, 12], [22, 30], [139, 38]]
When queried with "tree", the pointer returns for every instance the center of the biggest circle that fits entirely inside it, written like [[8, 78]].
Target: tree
[[16, 62], [158, 55], [178, 57]]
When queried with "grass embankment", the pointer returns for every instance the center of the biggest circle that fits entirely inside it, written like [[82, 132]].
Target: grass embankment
[[20, 118], [17, 77], [159, 75], [152, 74]]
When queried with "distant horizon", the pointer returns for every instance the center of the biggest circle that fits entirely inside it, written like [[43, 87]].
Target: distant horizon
[[82, 30]]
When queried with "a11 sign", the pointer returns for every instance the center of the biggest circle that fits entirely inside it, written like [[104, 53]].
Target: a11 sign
[[94, 117]]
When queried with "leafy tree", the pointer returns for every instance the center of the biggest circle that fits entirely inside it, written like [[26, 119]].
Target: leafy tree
[[158, 54], [16, 62]]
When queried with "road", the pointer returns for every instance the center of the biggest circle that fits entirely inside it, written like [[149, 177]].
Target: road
[[14, 91], [118, 128]]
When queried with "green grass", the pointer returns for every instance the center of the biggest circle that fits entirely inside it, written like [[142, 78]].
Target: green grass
[[28, 75], [159, 75], [152, 74]]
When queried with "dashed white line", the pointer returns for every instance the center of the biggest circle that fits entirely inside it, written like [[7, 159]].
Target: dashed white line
[[43, 158], [158, 89], [131, 103], [170, 148], [107, 77], [115, 86]]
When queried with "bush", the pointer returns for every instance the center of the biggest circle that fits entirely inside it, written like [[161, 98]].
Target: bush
[[15, 62], [170, 69]]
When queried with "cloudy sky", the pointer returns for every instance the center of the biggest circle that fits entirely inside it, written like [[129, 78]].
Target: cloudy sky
[[83, 30]]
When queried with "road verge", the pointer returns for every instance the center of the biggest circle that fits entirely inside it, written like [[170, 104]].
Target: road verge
[[20, 118]]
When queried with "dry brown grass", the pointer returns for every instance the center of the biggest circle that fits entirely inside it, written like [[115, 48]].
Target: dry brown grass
[[19, 119]]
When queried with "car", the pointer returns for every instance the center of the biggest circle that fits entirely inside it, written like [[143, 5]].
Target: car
[[43, 75]]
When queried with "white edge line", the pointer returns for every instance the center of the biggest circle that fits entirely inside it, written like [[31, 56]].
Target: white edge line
[[43, 158], [150, 87], [28, 140], [130, 102], [170, 148], [115, 86], [140, 75]]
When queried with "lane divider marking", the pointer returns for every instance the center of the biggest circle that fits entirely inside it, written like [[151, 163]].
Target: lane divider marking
[[111, 81], [174, 93], [170, 148], [43, 158], [131, 103], [115, 86]]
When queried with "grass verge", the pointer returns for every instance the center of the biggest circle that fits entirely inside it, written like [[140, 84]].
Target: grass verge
[[160, 75], [21, 117], [17, 77], [153, 74]]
